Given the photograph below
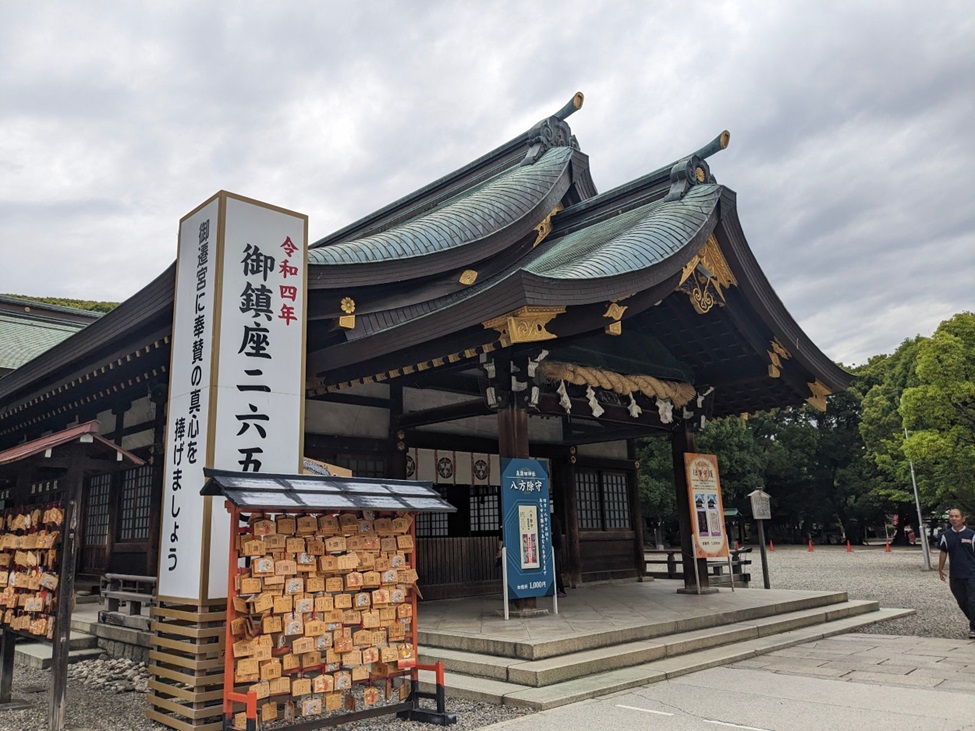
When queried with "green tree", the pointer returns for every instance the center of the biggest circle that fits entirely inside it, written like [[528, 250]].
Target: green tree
[[938, 409], [658, 500], [883, 381], [741, 459]]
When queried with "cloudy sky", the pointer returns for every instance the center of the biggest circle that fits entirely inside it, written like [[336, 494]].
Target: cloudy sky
[[852, 147]]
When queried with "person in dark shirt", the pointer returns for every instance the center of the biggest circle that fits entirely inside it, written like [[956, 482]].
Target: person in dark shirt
[[957, 544]]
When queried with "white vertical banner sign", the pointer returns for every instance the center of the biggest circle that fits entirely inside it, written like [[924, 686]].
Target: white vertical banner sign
[[237, 376]]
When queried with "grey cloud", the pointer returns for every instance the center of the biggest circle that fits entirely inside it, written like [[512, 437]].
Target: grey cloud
[[850, 125]]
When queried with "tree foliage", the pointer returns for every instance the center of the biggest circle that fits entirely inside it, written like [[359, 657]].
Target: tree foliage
[[90, 305], [938, 409]]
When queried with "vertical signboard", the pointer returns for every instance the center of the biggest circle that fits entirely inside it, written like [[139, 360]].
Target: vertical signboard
[[526, 528], [236, 376], [707, 510]]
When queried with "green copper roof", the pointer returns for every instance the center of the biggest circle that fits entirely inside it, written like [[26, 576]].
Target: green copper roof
[[22, 339], [479, 212], [629, 242]]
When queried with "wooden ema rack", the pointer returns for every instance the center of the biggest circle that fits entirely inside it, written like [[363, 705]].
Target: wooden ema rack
[[321, 622]]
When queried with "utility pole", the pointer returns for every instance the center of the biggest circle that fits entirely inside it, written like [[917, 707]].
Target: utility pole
[[921, 527]]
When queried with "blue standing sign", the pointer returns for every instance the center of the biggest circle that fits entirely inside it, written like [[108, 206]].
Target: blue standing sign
[[526, 528]]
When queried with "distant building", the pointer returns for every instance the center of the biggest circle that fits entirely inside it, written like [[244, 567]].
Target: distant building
[[28, 328]]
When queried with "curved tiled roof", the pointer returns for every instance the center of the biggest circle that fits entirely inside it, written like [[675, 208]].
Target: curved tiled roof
[[632, 241], [24, 338], [491, 207]]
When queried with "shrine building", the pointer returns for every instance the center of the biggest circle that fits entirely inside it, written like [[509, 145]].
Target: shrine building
[[508, 309]]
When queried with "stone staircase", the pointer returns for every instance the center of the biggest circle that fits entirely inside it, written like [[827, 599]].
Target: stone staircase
[[82, 645], [542, 675]]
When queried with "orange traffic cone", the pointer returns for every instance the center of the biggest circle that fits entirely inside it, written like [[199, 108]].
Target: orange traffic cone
[[771, 546], [849, 548], [887, 549], [810, 545]]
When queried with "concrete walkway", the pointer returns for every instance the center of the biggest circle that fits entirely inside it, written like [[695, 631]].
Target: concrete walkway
[[861, 681]]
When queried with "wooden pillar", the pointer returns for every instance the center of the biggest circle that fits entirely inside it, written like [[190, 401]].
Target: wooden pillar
[[683, 441], [8, 644], [636, 511], [159, 396], [74, 480], [397, 437], [572, 521], [513, 442]]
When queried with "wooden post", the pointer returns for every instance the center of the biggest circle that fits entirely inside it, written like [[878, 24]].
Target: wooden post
[[572, 523], [8, 644], [682, 441], [636, 513], [513, 444], [397, 467], [158, 396], [74, 480]]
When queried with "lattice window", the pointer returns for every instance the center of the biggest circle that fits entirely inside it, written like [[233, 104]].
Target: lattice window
[[602, 500], [615, 500], [587, 501], [97, 511], [432, 524], [136, 503], [485, 509], [362, 465]]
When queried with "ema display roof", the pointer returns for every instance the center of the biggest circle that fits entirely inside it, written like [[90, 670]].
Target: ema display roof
[[255, 491]]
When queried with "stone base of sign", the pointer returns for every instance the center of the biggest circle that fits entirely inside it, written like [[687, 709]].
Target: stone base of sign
[[186, 666], [523, 613], [693, 590]]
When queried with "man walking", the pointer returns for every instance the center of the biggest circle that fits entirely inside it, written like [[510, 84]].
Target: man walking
[[957, 544]]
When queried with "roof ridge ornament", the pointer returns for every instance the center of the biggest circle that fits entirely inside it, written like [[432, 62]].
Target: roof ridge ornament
[[553, 132], [693, 169]]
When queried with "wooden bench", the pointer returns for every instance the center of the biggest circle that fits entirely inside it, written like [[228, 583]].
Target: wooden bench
[[717, 568], [133, 591]]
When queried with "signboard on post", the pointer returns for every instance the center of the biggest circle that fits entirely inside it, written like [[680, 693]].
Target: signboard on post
[[236, 392], [762, 511], [761, 504], [526, 528], [707, 510]]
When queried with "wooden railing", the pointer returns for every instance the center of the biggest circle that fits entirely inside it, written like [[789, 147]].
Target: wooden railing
[[457, 566]]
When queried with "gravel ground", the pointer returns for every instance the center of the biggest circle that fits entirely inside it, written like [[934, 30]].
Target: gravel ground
[[109, 697], [895, 579]]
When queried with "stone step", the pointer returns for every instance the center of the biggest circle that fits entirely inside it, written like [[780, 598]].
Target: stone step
[[556, 669], [38, 655], [672, 664], [603, 637]]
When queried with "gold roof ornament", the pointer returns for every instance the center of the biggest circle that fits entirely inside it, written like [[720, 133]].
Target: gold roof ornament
[[819, 394], [545, 227], [775, 356], [524, 325], [468, 277], [347, 320], [614, 312], [706, 276]]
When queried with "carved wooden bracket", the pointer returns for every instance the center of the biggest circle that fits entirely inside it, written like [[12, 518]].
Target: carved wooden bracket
[[524, 325]]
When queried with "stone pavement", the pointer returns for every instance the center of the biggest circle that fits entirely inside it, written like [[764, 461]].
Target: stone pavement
[[853, 681], [893, 661]]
